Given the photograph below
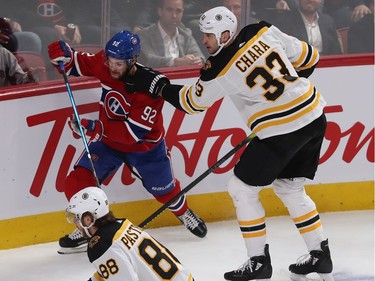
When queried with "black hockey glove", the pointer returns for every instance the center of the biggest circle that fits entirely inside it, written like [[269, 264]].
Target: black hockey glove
[[149, 80]]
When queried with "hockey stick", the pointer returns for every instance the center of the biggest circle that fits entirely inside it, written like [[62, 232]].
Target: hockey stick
[[196, 181], [61, 65]]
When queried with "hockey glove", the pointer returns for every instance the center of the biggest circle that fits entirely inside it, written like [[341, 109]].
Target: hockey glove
[[94, 128], [60, 51], [73, 125], [150, 81]]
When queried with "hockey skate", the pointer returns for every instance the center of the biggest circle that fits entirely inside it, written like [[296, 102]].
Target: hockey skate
[[193, 223], [316, 261], [256, 268], [73, 243]]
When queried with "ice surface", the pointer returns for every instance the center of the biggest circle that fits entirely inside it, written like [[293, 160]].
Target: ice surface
[[350, 234]]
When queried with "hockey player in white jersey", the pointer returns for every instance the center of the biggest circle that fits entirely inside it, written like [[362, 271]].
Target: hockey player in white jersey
[[264, 72], [118, 249]]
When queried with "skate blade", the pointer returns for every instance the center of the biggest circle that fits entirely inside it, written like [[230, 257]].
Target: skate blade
[[312, 277], [77, 250]]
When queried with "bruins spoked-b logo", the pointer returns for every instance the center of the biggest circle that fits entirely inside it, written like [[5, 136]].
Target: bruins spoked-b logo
[[85, 196], [207, 65]]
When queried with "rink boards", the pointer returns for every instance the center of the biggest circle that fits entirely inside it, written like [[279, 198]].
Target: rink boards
[[38, 151]]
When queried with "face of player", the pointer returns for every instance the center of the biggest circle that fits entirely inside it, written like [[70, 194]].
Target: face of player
[[309, 6], [210, 42], [235, 7], [86, 221], [117, 68], [170, 14]]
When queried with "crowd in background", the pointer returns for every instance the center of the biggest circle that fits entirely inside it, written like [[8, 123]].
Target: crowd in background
[[169, 29]]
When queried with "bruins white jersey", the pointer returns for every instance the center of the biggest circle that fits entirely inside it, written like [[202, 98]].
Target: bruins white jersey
[[263, 71], [121, 251]]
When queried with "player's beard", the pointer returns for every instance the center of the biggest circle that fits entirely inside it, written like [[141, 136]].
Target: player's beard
[[118, 75], [126, 72], [123, 75]]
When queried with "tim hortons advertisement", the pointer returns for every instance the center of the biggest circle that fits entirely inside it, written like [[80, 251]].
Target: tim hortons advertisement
[[38, 149]]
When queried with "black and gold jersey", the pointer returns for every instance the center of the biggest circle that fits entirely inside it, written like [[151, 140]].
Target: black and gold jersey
[[123, 251], [264, 71]]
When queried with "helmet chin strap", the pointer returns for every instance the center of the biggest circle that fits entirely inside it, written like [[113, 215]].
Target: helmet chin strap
[[221, 45], [86, 228], [87, 232], [218, 50], [129, 65]]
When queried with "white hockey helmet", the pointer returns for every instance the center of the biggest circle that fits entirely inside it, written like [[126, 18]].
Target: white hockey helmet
[[216, 21], [91, 200]]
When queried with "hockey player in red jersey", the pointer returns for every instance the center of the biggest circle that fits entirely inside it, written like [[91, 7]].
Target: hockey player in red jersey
[[264, 72], [129, 129], [118, 249]]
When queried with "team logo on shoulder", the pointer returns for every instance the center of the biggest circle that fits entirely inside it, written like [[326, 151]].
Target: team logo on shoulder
[[207, 65], [93, 241]]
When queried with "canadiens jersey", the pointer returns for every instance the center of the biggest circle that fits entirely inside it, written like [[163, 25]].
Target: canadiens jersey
[[262, 71], [121, 251], [132, 121]]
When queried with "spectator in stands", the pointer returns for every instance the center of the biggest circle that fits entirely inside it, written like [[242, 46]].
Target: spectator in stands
[[168, 42], [74, 21], [51, 20], [235, 6], [11, 72], [361, 33], [345, 12], [136, 13], [269, 9], [11, 31], [317, 29]]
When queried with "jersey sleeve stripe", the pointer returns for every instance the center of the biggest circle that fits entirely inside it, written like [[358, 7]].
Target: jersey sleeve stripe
[[309, 57], [299, 61], [187, 101], [311, 60], [183, 101], [194, 105], [76, 64]]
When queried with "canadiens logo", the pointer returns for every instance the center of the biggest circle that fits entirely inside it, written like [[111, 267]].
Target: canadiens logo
[[49, 9], [116, 105], [207, 65]]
